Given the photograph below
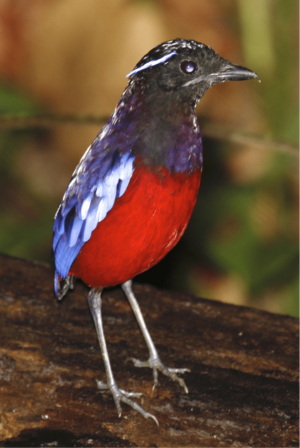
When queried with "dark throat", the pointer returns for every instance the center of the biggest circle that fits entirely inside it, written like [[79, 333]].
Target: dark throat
[[169, 134]]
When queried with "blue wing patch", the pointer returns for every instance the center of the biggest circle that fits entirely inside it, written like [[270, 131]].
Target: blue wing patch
[[101, 177]]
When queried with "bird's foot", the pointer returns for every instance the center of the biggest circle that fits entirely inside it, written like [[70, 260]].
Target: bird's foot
[[121, 395], [156, 364]]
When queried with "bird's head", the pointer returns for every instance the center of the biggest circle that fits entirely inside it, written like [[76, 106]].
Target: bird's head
[[186, 67]]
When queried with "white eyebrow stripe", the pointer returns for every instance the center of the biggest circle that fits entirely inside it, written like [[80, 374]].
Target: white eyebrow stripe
[[152, 63]]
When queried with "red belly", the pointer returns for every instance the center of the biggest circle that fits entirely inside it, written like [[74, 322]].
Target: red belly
[[142, 227]]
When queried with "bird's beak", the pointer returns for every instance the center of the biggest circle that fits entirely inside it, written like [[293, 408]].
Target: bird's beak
[[227, 72], [232, 72]]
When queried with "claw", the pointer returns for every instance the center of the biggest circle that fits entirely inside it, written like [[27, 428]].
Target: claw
[[124, 396], [170, 372]]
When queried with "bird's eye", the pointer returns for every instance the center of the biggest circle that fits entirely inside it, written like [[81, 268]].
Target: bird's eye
[[188, 67]]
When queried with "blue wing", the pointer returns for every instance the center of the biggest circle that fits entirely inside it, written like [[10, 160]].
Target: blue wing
[[102, 175]]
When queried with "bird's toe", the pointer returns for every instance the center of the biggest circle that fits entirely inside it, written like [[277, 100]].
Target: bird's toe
[[121, 395]]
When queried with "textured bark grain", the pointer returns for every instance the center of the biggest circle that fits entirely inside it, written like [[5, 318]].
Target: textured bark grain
[[243, 385]]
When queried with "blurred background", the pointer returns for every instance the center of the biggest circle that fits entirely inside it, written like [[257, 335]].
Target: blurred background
[[71, 57]]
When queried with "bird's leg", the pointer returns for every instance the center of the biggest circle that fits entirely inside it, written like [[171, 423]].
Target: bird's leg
[[154, 361], [94, 300]]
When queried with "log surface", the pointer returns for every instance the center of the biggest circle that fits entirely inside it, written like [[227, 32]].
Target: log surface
[[243, 384]]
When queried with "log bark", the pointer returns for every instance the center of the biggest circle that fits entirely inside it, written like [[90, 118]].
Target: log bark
[[243, 384]]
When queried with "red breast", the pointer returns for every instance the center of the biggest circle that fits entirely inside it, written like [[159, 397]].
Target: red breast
[[142, 227]]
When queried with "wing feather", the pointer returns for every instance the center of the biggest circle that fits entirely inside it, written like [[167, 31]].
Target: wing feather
[[101, 177]]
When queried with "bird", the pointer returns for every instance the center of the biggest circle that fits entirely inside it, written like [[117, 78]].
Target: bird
[[132, 194]]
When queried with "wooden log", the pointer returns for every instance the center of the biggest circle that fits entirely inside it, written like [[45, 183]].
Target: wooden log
[[243, 385]]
